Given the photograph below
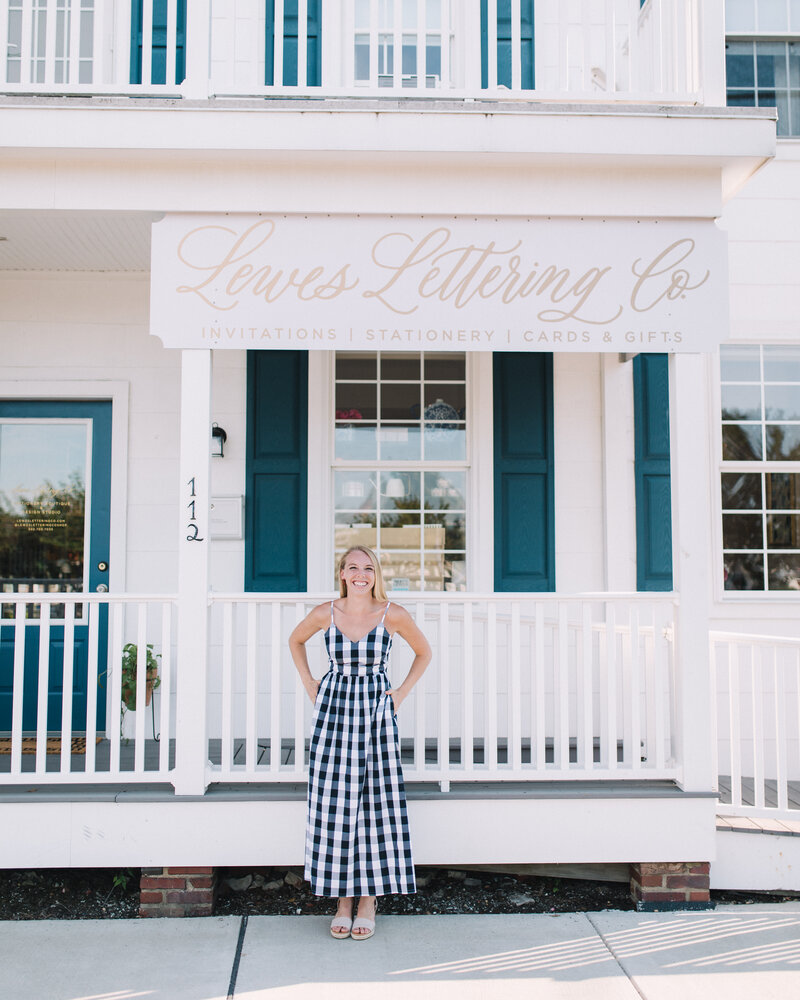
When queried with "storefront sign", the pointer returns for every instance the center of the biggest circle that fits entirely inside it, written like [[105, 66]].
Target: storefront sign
[[398, 283]]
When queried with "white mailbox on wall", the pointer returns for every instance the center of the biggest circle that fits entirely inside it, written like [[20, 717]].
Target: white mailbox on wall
[[226, 517]]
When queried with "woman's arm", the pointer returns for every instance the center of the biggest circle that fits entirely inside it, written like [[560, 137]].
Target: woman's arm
[[401, 622], [312, 623]]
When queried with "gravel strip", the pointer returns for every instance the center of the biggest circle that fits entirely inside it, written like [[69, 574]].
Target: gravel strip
[[104, 893]]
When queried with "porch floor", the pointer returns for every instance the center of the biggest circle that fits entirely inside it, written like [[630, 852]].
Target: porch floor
[[152, 751], [749, 796]]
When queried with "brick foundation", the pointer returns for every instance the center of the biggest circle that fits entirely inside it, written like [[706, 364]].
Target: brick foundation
[[667, 885], [177, 892]]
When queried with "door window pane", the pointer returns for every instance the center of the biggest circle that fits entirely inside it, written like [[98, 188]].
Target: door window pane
[[42, 505]]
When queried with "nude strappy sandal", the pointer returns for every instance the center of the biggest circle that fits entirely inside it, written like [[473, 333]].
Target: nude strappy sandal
[[368, 925], [341, 927]]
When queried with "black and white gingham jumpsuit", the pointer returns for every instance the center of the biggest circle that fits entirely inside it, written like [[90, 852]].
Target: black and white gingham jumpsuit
[[357, 839]]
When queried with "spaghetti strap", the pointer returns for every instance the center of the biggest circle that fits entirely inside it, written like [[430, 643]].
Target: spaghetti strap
[[384, 611], [332, 621]]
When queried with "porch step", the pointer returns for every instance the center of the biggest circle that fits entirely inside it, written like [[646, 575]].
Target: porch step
[[758, 824]]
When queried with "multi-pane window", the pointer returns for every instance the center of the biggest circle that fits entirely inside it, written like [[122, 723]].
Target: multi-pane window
[[401, 29], [400, 467], [763, 70], [761, 467]]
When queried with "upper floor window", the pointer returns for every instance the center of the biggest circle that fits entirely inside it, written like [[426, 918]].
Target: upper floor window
[[762, 58], [760, 480], [400, 465]]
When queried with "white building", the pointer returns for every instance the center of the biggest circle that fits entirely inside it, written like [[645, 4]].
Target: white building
[[504, 289]]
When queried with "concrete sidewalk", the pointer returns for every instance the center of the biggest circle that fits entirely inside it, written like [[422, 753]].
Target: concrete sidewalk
[[732, 952]]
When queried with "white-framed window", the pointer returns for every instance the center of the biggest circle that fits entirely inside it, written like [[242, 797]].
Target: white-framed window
[[760, 475], [401, 465], [762, 58]]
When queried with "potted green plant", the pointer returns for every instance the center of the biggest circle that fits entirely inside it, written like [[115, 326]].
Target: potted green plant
[[130, 661]]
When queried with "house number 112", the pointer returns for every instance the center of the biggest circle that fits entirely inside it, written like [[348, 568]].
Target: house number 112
[[192, 526]]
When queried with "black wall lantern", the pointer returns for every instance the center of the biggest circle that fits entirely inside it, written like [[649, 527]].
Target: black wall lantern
[[218, 439]]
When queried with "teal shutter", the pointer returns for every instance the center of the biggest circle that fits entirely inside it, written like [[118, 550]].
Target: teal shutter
[[524, 505], [313, 49], [276, 470], [504, 43], [159, 57], [653, 500]]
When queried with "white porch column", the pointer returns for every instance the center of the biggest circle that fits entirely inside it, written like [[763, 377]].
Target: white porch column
[[619, 479], [711, 23], [193, 553], [690, 473], [198, 50]]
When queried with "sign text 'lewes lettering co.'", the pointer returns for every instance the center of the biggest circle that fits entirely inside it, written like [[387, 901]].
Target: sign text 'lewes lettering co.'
[[410, 269]]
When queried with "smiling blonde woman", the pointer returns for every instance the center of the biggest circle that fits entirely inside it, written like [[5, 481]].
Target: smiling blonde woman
[[357, 836]]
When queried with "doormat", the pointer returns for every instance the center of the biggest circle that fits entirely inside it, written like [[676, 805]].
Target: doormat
[[77, 744]]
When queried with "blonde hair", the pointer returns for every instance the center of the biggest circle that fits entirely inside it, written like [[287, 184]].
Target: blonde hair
[[379, 588]]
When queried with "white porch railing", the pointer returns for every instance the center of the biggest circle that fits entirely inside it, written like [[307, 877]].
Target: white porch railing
[[756, 681], [67, 677], [595, 50], [521, 687]]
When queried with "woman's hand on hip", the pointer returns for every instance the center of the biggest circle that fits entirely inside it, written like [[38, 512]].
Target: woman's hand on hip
[[312, 688], [396, 696]]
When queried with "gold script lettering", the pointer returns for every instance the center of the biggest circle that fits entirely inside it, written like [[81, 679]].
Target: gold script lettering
[[430, 268], [676, 280], [229, 276]]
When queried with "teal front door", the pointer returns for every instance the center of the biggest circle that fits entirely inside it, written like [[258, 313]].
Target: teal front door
[[55, 483]]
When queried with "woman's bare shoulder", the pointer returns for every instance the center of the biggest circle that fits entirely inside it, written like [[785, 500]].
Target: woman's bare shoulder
[[397, 616], [321, 613]]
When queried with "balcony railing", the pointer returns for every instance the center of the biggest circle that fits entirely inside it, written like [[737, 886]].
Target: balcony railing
[[532, 688], [66, 700], [756, 682], [597, 50], [521, 688]]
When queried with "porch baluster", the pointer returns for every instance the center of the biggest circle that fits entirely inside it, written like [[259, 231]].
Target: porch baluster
[[444, 691], [490, 753], [420, 691], [468, 681], [20, 634], [515, 691], [734, 671], [537, 692], [141, 686], [780, 695], [147, 43], [92, 612], [172, 40], [226, 695], [26, 46], [491, 46], [300, 702], [422, 68], [585, 754], [561, 689], [302, 43], [44, 684], [251, 696], [68, 666], [114, 672], [50, 40], [757, 680], [516, 45], [165, 688]]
